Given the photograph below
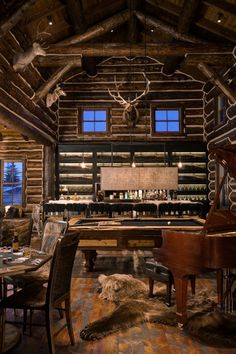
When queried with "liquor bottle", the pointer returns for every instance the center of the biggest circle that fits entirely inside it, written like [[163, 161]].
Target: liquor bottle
[[15, 243]]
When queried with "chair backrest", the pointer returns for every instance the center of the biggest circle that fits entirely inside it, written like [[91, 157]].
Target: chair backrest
[[61, 267], [53, 229]]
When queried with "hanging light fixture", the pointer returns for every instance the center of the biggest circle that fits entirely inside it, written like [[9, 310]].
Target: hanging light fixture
[[133, 164], [220, 17], [180, 165], [50, 20]]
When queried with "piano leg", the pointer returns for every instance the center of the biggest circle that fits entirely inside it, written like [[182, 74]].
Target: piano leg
[[219, 277], [181, 288]]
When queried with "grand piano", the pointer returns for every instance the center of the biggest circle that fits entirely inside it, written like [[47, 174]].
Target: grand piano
[[211, 249]]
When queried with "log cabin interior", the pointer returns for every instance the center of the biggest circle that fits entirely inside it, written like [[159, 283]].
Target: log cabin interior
[[92, 91]]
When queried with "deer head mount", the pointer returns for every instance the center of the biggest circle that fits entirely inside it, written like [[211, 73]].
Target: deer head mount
[[53, 97], [22, 59], [130, 113]]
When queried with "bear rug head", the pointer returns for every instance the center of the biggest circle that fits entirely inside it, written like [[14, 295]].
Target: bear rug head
[[134, 307]]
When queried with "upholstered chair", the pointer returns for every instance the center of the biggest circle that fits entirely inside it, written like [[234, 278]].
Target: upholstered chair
[[56, 294]]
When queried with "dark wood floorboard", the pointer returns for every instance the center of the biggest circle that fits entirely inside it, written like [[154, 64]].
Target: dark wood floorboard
[[86, 307]]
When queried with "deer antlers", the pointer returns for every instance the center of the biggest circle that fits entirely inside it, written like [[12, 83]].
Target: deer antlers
[[130, 114]]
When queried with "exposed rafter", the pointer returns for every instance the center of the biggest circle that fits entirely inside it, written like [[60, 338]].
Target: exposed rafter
[[12, 20], [218, 81], [151, 49], [98, 30], [170, 30], [53, 80], [185, 20]]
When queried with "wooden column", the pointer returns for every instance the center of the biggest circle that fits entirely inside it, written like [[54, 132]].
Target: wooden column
[[49, 172]]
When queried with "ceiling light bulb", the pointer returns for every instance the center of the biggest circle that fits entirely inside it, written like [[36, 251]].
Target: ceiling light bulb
[[82, 165], [220, 17], [133, 164], [50, 20]]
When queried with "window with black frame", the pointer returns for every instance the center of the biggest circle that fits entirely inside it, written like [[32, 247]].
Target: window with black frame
[[94, 120], [167, 120], [12, 182]]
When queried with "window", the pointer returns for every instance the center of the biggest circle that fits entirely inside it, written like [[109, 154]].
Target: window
[[12, 182], [167, 120], [94, 121]]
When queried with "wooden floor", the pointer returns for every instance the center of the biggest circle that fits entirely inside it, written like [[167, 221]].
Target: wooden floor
[[86, 307]]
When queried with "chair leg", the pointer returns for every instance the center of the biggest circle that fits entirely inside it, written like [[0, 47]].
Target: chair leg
[[24, 320], [68, 321], [151, 284], [2, 328], [168, 293], [49, 328], [193, 283]]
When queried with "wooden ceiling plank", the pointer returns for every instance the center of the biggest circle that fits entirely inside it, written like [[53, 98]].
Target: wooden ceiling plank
[[219, 30], [97, 30], [11, 21], [51, 82], [186, 18], [154, 22], [218, 81], [76, 15], [222, 5]]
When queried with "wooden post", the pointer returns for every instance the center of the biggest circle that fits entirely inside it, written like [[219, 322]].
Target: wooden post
[[49, 173]]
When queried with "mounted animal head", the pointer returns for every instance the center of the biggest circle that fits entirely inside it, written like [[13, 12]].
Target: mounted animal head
[[22, 59], [130, 113], [53, 97]]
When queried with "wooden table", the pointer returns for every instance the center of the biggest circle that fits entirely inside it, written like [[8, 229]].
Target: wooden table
[[126, 234], [11, 334]]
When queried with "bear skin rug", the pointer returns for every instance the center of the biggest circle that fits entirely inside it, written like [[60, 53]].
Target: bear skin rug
[[135, 307]]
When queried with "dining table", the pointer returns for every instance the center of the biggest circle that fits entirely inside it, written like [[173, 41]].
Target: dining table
[[12, 263]]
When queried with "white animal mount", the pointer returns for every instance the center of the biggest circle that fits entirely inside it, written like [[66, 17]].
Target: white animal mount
[[22, 59], [53, 97], [131, 113]]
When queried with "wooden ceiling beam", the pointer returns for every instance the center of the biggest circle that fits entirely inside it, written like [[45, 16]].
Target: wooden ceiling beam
[[133, 5], [170, 30], [125, 49], [218, 81], [219, 30], [13, 120], [97, 30], [13, 19], [53, 80], [60, 60], [186, 18]]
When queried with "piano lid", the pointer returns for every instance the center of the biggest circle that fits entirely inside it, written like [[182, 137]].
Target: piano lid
[[222, 220]]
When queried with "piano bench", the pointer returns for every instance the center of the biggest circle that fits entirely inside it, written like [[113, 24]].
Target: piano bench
[[157, 271]]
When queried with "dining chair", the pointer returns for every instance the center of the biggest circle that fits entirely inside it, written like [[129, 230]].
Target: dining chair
[[55, 295], [53, 229]]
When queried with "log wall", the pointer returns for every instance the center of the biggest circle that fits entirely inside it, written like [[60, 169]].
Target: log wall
[[13, 147], [84, 91], [220, 134]]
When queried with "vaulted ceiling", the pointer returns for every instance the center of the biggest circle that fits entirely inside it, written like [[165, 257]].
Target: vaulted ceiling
[[179, 33], [188, 35]]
